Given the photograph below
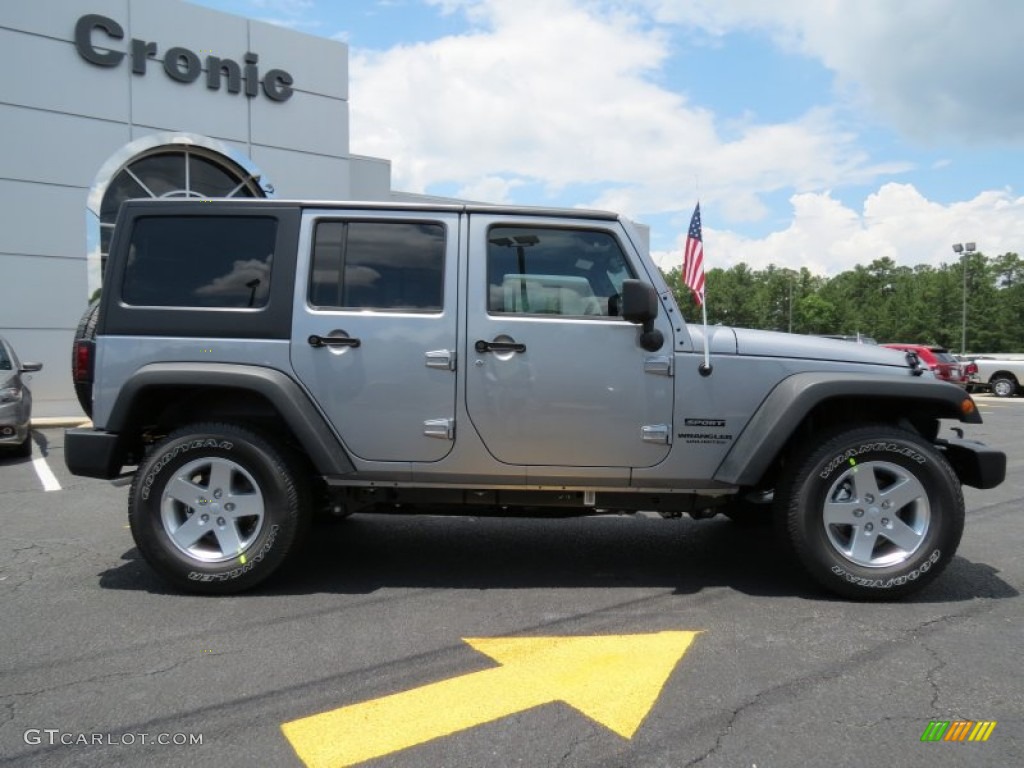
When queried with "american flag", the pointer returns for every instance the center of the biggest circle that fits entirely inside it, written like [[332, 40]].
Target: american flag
[[693, 259]]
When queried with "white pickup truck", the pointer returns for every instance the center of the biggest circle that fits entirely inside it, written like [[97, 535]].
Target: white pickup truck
[[1003, 377]]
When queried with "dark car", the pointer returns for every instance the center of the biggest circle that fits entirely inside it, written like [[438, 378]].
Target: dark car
[[938, 359], [15, 401]]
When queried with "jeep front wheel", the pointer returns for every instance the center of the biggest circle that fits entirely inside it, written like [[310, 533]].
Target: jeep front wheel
[[873, 513], [214, 508]]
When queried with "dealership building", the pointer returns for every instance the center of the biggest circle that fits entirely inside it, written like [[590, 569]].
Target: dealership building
[[106, 100]]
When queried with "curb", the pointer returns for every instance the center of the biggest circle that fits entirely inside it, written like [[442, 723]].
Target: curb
[[61, 421]]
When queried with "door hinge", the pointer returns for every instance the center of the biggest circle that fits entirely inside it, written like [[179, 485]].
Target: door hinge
[[442, 429], [656, 433], [660, 365], [443, 359]]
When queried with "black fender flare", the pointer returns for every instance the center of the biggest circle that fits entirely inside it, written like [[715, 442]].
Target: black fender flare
[[296, 409], [786, 406]]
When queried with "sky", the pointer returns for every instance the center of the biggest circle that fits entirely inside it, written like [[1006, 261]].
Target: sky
[[814, 134]]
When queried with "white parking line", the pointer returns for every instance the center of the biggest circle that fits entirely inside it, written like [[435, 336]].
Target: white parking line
[[46, 476]]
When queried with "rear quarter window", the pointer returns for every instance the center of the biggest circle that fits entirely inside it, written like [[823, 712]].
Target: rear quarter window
[[200, 261]]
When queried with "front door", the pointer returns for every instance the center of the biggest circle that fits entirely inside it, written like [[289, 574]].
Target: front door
[[555, 377], [374, 329]]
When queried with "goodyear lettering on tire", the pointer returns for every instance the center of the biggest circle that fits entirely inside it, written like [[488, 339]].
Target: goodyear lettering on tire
[[147, 482], [234, 573], [895, 581], [877, 447]]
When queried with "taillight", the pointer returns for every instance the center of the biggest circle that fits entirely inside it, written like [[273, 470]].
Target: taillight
[[83, 366]]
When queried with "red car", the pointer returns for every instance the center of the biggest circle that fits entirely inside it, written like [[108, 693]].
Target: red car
[[938, 359]]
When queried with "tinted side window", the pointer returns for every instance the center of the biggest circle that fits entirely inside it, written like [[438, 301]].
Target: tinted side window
[[200, 261], [547, 271], [383, 265]]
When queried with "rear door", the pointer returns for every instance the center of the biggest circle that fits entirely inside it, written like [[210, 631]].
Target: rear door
[[374, 331], [555, 376]]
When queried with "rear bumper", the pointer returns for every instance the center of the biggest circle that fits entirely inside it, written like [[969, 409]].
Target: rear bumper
[[93, 453], [975, 463]]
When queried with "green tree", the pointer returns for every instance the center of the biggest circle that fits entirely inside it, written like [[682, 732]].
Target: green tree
[[817, 314], [922, 304]]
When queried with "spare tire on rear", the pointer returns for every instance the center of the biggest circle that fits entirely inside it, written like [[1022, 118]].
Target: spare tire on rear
[[86, 331]]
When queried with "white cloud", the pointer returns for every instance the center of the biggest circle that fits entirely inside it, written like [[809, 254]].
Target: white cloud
[[491, 189], [299, 25], [896, 222], [933, 68], [290, 14], [557, 94], [545, 100]]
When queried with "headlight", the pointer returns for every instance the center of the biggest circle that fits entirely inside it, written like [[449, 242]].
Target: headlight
[[10, 395]]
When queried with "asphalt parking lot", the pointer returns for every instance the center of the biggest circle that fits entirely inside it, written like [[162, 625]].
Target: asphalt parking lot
[[428, 641]]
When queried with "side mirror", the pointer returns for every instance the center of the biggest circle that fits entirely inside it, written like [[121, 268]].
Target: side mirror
[[31, 367], [639, 302], [640, 306]]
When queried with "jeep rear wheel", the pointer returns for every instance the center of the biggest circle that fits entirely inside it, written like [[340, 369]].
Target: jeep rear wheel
[[215, 508], [873, 513]]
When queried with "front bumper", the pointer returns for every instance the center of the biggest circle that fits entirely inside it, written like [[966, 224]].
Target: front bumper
[[975, 463], [14, 423], [13, 434]]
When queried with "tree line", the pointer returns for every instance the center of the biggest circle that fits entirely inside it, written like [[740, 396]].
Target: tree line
[[919, 305]]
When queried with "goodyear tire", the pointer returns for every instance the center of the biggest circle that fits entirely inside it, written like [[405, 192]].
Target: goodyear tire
[[873, 513], [215, 509], [24, 449]]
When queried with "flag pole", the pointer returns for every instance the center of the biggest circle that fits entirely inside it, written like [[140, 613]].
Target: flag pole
[[693, 278], [705, 368]]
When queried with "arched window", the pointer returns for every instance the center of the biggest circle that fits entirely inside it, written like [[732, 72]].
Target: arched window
[[164, 165]]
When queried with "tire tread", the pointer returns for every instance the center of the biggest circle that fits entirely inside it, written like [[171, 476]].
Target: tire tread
[[292, 487], [788, 518]]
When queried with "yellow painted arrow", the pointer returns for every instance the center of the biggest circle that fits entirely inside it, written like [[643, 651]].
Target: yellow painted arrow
[[614, 679]]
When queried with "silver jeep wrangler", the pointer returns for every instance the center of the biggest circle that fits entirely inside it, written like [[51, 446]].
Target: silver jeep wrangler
[[257, 363]]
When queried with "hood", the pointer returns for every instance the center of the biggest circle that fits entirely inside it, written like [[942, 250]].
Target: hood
[[748, 342]]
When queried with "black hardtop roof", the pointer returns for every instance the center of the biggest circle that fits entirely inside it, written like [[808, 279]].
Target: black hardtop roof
[[376, 205]]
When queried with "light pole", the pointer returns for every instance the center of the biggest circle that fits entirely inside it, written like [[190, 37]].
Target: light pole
[[790, 303], [966, 249]]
